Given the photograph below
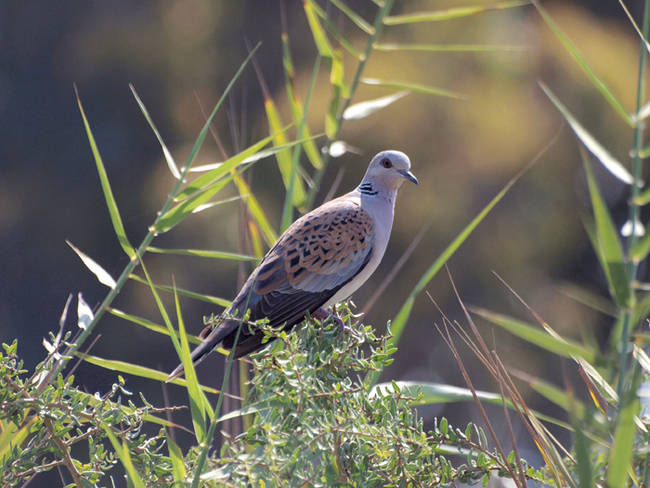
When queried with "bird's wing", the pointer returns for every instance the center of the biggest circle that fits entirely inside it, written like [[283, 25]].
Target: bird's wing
[[314, 258]]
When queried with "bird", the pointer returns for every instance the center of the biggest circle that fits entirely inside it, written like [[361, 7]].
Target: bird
[[320, 260]]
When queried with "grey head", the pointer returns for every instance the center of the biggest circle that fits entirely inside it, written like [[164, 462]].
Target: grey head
[[386, 172]]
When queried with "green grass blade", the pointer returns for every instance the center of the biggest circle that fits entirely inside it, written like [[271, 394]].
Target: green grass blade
[[148, 324], [575, 54], [433, 393], [111, 204], [448, 14], [297, 109], [193, 204], [205, 180], [283, 157], [222, 302], [399, 322], [456, 48], [582, 448], [100, 273], [12, 436], [589, 299], [168, 155], [122, 451], [287, 209], [137, 370], [414, 87], [204, 253], [604, 388], [340, 90], [364, 109], [176, 458], [641, 249], [265, 153], [336, 34], [354, 17], [198, 403], [247, 410], [320, 38], [621, 453], [609, 162], [556, 395], [256, 212], [609, 244], [161, 307], [536, 336]]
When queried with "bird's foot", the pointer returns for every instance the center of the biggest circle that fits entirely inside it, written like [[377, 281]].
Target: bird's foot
[[323, 315]]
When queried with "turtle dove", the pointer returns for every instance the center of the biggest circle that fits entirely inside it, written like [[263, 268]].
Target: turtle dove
[[321, 259]]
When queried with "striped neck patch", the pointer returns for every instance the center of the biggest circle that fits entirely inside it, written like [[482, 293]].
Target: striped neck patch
[[367, 189]]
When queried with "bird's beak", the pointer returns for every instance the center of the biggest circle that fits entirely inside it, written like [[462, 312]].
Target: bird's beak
[[408, 175]]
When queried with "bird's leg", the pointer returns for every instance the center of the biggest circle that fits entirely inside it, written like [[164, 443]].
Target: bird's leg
[[322, 315]]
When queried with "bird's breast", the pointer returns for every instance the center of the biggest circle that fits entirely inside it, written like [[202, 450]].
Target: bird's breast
[[381, 212]]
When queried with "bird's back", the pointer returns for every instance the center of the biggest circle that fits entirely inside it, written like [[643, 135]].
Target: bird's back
[[317, 255]]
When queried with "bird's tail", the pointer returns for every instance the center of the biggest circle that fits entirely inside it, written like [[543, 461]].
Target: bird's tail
[[212, 341]]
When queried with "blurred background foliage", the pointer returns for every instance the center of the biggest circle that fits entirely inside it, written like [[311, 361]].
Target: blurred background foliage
[[463, 151]]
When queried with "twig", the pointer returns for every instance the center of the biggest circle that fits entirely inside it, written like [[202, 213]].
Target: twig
[[67, 459]]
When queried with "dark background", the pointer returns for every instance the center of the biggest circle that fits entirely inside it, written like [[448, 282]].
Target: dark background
[[462, 151]]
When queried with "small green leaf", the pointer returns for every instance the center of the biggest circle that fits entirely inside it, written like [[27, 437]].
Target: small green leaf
[[198, 403], [322, 43], [537, 336], [100, 273], [168, 155], [364, 109], [113, 211], [401, 85], [448, 14], [575, 54], [176, 457], [609, 244], [641, 249], [122, 451], [85, 314]]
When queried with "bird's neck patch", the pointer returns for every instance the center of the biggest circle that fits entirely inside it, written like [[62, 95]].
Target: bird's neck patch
[[366, 188]]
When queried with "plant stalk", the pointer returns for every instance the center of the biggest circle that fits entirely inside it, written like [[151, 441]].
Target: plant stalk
[[383, 12], [632, 265], [287, 211]]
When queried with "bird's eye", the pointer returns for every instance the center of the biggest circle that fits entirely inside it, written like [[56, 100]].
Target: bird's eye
[[386, 163]]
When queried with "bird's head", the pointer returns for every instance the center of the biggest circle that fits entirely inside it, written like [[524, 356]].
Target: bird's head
[[389, 169]]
